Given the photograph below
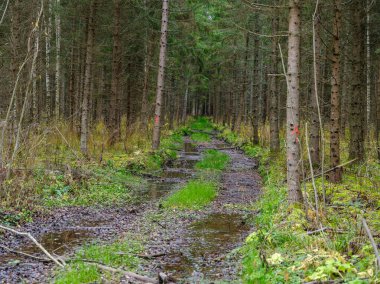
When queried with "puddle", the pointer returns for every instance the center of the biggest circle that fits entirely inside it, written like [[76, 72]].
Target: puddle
[[175, 174], [178, 170], [187, 163], [54, 242], [158, 189], [208, 239], [189, 148]]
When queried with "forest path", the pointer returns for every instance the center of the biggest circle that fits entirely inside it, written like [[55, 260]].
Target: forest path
[[194, 245]]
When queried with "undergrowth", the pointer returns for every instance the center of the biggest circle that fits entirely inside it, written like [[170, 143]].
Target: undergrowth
[[282, 251], [60, 176], [122, 253]]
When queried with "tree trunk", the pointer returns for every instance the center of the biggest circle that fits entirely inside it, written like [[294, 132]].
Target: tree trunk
[[116, 73], [58, 62], [48, 28], [87, 78], [357, 118], [144, 99], [273, 92], [256, 84], [336, 174], [161, 75], [314, 99], [292, 114], [185, 99], [378, 115]]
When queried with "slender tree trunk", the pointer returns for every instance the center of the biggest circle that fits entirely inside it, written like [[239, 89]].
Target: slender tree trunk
[[335, 175], [87, 78], [315, 109], [357, 117], [378, 114], [48, 28], [116, 73], [256, 84], [144, 100], [185, 99], [161, 75], [292, 115], [368, 70], [58, 62], [36, 51], [273, 92]]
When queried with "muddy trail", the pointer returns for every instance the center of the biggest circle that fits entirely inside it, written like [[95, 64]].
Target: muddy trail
[[192, 246]]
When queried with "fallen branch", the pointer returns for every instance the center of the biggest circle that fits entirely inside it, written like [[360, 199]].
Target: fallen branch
[[331, 169], [25, 254], [151, 256], [135, 276], [324, 230], [35, 242], [371, 239]]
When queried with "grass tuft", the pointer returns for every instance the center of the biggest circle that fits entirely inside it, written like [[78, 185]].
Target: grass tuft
[[202, 123], [195, 195], [200, 137], [118, 254], [213, 160]]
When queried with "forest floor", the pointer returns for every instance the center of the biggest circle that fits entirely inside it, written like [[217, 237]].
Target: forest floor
[[191, 242], [208, 207]]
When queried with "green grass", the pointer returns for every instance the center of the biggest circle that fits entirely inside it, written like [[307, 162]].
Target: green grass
[[200, 137], [105, 186], [195, 195], [202, 123], [118, 254], [213, 160], [280, 251]]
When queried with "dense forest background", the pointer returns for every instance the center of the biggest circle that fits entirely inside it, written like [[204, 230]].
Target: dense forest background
[[90, 89], [66, 61]]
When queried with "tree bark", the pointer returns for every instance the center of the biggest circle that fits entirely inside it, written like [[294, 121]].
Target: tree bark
[[161, 75], [378, 115], [87, 78], [273, 92], [357, 117], [48, 28], [58, 62], [335, 175], [315, 107], [292, 115], [116, 74], [256, 84]]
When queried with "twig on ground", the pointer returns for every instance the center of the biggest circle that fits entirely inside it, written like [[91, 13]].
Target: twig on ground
[[35, 242], [25, 254], [371, 239], [324, 229], [132, 275], [331, 169]]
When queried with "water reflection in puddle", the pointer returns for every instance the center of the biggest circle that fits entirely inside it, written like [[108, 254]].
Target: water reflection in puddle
[[207, 239]]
